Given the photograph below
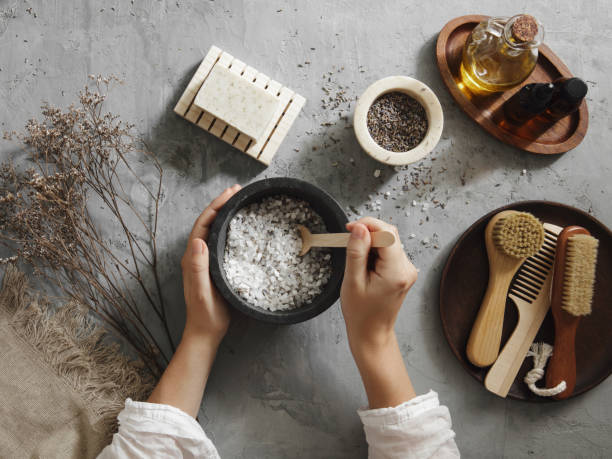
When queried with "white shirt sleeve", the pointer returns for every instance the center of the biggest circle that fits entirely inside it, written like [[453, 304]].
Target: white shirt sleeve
[[418, 428], [150, 430]]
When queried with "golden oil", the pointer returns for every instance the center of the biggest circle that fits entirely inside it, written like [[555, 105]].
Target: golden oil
[[500, 54]]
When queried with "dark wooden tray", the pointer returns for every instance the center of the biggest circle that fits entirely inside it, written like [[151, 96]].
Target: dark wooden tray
[[463, 285], [536, 136]]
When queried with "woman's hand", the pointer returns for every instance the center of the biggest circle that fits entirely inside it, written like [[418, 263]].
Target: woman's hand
[[182, 384], [374, 287], [207, 312]]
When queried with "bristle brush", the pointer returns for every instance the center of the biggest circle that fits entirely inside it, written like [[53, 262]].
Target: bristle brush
[[572, 295], [510, 238]]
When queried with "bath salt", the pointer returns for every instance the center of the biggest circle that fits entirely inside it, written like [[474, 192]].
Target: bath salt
[[261, 260]]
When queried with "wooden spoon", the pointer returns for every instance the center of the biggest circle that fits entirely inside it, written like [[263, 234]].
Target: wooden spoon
[[379, 239]]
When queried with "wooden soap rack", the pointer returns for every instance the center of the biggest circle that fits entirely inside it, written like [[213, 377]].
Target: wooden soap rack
[[263, 148]]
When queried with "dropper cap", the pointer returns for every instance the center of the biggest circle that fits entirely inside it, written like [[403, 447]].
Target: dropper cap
[[543, 92], [573, 90], [540, 96]]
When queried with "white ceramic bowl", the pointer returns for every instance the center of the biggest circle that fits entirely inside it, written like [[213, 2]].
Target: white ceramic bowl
[[415, 89]]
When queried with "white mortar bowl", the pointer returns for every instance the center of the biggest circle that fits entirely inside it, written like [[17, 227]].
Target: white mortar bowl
[[422, 94]]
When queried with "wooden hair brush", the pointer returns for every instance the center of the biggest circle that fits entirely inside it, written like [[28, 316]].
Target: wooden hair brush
[[572, 295], [510, 238]]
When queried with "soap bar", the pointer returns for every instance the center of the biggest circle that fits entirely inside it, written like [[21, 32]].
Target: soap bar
[[231, 122], [237, 101]]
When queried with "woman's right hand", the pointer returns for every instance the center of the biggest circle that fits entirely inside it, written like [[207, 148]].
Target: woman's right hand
[[373, 290], [375, 284]]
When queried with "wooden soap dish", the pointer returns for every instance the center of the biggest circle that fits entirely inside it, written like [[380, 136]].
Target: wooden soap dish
[[262, 148], [536, 136]]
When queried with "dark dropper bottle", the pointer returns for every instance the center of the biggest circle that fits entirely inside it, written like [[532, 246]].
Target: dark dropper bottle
[[566, 98], [529, 102]]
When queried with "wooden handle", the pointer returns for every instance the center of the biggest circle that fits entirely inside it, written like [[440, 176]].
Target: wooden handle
[[485, 337], [500, 377], [562, 364], [379, 239], [503, 372]]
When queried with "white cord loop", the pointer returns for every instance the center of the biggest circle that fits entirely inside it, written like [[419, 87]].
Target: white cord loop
[[541, 353]]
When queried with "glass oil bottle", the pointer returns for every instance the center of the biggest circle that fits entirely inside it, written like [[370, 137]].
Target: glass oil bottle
[[500, 53]]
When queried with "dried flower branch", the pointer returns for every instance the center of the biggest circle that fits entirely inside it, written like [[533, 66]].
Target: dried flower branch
[[82, 156]]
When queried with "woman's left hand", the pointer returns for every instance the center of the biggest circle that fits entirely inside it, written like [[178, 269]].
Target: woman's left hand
[[207, 313]]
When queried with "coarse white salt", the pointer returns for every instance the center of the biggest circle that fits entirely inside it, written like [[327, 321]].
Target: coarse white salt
[[377, 173], [261, 261]]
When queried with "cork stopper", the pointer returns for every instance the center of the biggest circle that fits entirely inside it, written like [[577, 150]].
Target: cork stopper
[[524, 29]]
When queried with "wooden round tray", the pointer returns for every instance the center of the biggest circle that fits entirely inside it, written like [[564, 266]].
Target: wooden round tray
[[537, 136], [464, 281]]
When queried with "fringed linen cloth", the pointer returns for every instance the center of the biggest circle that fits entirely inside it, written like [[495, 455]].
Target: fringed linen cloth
[[61, 387]]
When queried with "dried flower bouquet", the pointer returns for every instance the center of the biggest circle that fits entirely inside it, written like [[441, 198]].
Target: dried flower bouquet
[[81, 157]]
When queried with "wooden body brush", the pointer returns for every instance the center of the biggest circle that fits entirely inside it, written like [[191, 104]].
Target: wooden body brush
[[510, 238], [572, 294]]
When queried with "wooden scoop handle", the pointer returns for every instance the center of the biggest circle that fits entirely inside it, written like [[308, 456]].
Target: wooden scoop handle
[[379, 239]]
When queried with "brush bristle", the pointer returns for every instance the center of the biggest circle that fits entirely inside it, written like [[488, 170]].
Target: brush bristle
[[579, 274], [518, 235]]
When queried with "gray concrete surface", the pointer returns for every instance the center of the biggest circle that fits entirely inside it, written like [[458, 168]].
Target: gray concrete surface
[[293, 391]]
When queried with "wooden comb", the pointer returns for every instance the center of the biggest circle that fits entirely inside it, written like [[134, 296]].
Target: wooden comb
[[530, 292]]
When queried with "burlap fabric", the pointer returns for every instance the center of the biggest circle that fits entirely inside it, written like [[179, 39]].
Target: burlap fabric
[[61, 387]]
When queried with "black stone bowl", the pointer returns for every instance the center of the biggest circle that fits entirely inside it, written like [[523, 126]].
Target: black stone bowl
[[335, 220]]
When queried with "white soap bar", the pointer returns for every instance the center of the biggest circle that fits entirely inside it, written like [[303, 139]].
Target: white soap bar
[[237, 101]]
